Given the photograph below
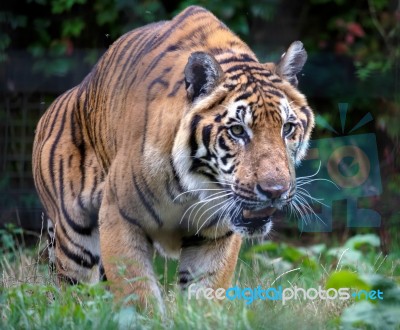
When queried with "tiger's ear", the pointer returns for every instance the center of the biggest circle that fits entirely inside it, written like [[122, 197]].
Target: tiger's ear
[[202, 74], [292, 62]]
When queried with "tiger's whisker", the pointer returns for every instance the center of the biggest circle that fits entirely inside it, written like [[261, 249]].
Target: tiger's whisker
[[195, 215], [319, 179], [312, 175], [200, 189], [210, 216], [305, 193], [208, 199], [211, 207]]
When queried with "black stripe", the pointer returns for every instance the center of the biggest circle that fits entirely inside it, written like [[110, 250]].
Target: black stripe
[[185, 277], [78, 259], [191, 241], [275, 92], [231, 87], [224, 159], [142, 43], [265, 83], [211, 176], [234, 77], [86, 231], [70, 161], [237, 67], [76, 245], [228, 234], [74, 131], [159, 79], [198, 31], [223, 115], [307, 111], [196, 164], [176, 87], [55, 143], [103, 276], [137, 44], [147, 109], [177, 21], [50, 229], [229, 170], [193, 128], [242, 58], [184, 280], [218, 118], [55, 114], [106, 72], [244, 96], [95, 184], [174, 25], [219, 51], [222, 143], [82, 170], [199, 240], [158, 58], [145, 120], [128, 218], [146, 203], [206, 135], [176, 176], [304, 124]]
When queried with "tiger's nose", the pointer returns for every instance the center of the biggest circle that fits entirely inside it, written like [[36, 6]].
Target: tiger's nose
[[273, 192]]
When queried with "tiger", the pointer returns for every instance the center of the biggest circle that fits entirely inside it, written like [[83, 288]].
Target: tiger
[[178, 142]]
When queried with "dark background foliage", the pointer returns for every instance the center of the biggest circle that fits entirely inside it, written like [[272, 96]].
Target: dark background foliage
[[48, 46]]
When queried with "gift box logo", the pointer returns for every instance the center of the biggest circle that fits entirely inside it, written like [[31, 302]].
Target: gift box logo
[[340, 168]]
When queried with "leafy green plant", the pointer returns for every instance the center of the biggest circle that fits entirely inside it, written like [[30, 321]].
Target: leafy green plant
[[8, 237], [375, 314], [33, 306], [43, 305], [357, 251]]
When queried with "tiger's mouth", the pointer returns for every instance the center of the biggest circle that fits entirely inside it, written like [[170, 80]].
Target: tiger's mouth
[[255, 219], [258, 215]]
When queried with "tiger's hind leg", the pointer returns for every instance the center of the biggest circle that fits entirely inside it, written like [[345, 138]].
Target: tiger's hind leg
[[69, 182], [74, 256], [77, 238], [51, 248], [77, 259]]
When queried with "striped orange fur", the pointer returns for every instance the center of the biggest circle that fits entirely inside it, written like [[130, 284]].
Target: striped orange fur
[[179, 139]]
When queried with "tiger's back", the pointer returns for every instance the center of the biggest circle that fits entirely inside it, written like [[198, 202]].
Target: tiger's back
[[141, 142]]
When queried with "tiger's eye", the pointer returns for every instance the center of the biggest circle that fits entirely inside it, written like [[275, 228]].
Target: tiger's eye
[[288, 129], [237, 130]]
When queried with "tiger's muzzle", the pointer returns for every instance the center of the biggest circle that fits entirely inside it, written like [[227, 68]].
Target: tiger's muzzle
[[255, 217]]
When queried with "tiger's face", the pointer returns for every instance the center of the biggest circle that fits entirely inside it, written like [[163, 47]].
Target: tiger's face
[[244, 133]]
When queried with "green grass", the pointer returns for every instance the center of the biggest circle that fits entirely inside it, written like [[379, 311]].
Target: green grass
[[29, 298]]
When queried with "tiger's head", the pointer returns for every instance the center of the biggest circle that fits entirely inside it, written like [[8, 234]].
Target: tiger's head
[[245, 129]]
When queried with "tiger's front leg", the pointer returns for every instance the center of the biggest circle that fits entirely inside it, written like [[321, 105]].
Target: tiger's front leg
[[209, 262], [127, 256]]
